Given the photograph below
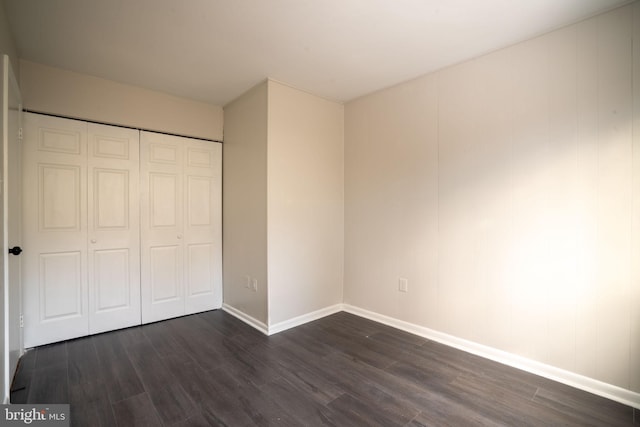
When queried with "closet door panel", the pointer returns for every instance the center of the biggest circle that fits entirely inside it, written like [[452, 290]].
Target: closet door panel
[[200, 269], [181, 234], [54, 220], [114, 228], [111, 204], [59, 198], [112, 285], [60, 287], [162, 243], [203, 279], [165, 274], [164, 203]]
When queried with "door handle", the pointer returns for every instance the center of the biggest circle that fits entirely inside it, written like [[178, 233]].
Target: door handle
[[16, 250]]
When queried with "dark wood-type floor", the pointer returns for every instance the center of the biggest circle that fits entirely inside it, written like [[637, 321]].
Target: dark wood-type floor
[[212, 369]]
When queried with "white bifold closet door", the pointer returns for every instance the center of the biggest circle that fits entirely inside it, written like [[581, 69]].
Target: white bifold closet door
[[81, 229], [113, 228], [180, 226], [121, 227]]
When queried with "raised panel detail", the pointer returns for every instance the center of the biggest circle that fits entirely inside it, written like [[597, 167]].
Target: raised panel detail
[[162, 199], [60, 282], [111, 198], [111, 279], [199, 267], [160, 153], [110, 147], [199, 202], [59, 141], [199, 158], [164, 273], [59, 197]]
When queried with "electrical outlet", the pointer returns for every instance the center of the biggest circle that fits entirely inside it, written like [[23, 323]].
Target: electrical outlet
[[403, 285], [254, 285]]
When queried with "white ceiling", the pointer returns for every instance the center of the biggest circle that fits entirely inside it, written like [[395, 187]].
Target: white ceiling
[[214, 50]]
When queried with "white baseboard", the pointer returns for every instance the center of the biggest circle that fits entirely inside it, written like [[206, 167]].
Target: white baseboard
[[590, 385], [284, 325], [305, 318], [251, 321]]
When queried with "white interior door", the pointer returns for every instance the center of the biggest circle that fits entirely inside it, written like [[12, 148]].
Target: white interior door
[[13, 209], [162, 234], [113, 228], [55, 229], [202, 226], [10, 121]]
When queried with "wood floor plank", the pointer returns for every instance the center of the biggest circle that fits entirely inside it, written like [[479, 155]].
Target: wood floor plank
[[313, 344], [226, 324], [363, 414], [250, 368], [301, 407], [163, 343], [83, 364], [403, 341], [210, 369], [503, 381], [85, 392], [149, 366], [451, 416], [120, 376], [432, 355], [383, 341], [51, 355], [262, 408], [435, 374], [299, 369], [219, 395], [49, 385], [319, 387], [195, 345], [97, 413], [223, 392], [377, 387], [22, 378], [191, 377], [358, 325], [195, 420], [505, 407], [585, 406], [354, 346], [252, 337], [136, 411], [172, 403]]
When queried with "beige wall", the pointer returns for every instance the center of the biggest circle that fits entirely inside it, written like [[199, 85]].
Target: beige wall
[[305, 203], [55, 91], [283, 203], [244, 203], [507, 191], [7, 44]]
